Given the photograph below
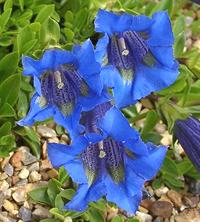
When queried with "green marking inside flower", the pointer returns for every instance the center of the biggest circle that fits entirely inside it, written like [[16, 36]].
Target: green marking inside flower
[[149, 60]]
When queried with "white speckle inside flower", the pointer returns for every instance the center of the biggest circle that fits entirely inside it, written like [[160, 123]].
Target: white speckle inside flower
[[58, 79], [102, 154], [41, 101], [125, 52]]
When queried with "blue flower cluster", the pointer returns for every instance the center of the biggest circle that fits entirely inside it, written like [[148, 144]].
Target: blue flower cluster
[[84, 89]]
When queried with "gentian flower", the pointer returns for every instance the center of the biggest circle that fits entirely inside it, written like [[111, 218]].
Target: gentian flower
[[110, 167], [188, 134], [138, 50], [64, 83], [110, 159]]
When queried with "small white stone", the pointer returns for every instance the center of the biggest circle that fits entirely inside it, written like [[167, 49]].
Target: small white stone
[[34, 176], [8, 206], [46, 132], [23, 173], [4, 186], [143, 217], [161, 191]]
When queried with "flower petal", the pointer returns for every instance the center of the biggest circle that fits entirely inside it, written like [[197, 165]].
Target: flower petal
[[116, 125], [161, 33], [86, 195], [36, 112], [151, 79], [101, 48], [147, 166]]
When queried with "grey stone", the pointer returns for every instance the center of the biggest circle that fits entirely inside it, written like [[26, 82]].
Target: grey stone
[[46, 132], [41, 213], [28, 158], [34, 167], [8, 169], [25, 214]]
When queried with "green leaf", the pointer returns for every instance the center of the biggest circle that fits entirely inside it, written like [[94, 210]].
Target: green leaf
[[59, 203], [184, 166], [150, 122], [5, 129], [50, 220], [6, 66], [57, 213], [4, 18], [172, 181], [8, 140], [7, 5], [9, 89], [45, 13], [117, 219], [62, 175], [7, 111], [53, 190], [81, 18], [157, 183], [95, 216], [40, 195], [22, 105], [169, 166], [67, 194], [21, 4]]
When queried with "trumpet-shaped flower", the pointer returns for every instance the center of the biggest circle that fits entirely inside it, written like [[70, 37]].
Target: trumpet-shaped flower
[[138, 50], [64, 83], [110, 167], [188, 134]]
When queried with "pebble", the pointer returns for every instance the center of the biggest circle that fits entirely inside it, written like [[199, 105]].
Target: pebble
[[46, 132], [161, 209], [8, 169], [143, 217], [44, 150], [16, 159], [23, 173], [194, 186], [28, 158], [158, 219], [191, 201], [175, 197], [161, 191], [41, 213], [146, 203], [19, 195], [4, 185], [34, 167], [25, 214], [188, 215], [65, 139], [3, 176], [21, 182], [45, 165], [8, 206], [34, 176]]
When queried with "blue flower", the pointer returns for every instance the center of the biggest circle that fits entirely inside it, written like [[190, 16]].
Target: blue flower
[[138, 52], [107, 120], [64, 84], [114, 168], [196, 1], [188, 134]]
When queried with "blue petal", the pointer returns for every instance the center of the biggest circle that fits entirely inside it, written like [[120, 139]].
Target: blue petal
[[164, 55], [118, 195], [89, 69], [147, 166], [37, 85], [60, 154], [137, 146], [101, 48], [160, 33], [86, 195], [122, 89], [111, 23], [151, 79], [51, 59], [36, 113], [116, 125], [76, 171], [92, 100], [70, 122], [31, 66]]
